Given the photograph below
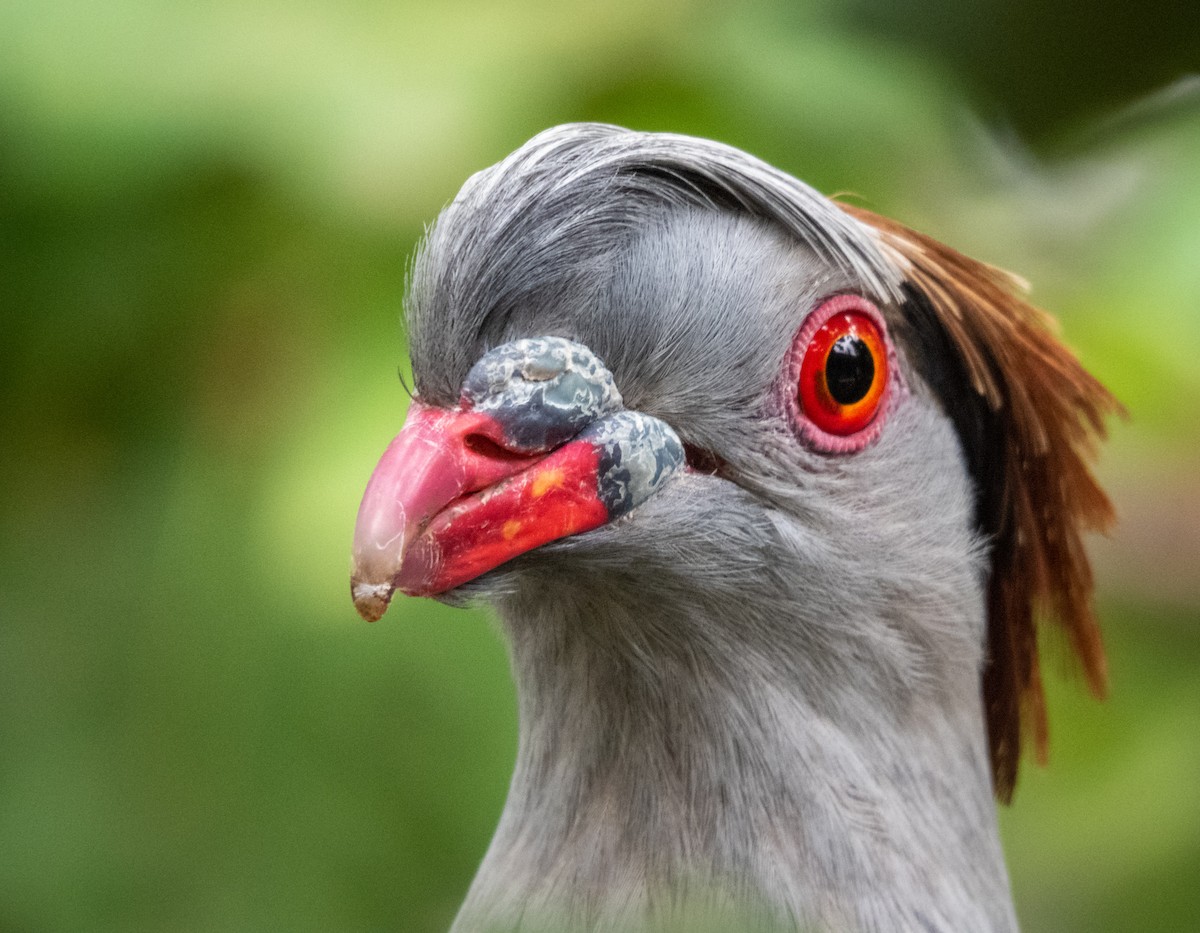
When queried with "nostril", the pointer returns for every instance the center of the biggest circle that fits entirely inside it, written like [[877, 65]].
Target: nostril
[[484, 446]]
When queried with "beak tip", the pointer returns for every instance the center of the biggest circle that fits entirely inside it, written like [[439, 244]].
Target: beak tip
[[371, 599]]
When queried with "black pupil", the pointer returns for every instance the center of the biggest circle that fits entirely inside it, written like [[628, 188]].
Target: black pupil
[[849, 370]]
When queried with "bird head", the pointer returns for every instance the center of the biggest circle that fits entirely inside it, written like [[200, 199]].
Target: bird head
[[653, 370]]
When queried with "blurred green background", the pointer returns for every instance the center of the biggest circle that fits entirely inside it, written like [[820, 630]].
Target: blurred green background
[[205, 214]]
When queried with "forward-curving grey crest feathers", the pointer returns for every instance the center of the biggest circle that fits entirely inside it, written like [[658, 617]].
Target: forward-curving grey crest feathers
[[536, 229]]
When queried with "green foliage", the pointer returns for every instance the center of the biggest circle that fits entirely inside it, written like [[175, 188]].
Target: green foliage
[[205, 214]]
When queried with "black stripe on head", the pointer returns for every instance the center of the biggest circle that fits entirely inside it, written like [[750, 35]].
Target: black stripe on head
[[980, 429], [983, 437]]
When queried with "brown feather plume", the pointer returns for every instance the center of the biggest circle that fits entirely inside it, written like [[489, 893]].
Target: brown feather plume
[[1046, 414]]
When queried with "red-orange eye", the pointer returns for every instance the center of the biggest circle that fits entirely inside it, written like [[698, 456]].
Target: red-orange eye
[[843, 373]]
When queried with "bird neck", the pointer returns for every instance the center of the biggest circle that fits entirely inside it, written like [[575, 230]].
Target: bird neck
[[661, 770]]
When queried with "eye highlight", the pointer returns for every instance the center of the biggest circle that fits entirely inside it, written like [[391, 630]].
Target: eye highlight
[[840, 375]]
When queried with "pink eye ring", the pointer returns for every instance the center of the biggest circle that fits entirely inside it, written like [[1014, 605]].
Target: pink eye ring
[[839, 376]]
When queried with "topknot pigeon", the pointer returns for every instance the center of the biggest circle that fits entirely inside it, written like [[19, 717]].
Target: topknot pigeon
[[769, 493]]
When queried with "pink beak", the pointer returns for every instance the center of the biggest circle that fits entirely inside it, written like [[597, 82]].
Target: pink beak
[[448, 502]]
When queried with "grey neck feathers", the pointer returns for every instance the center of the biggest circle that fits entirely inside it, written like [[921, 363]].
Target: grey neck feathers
[[664, 774]]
